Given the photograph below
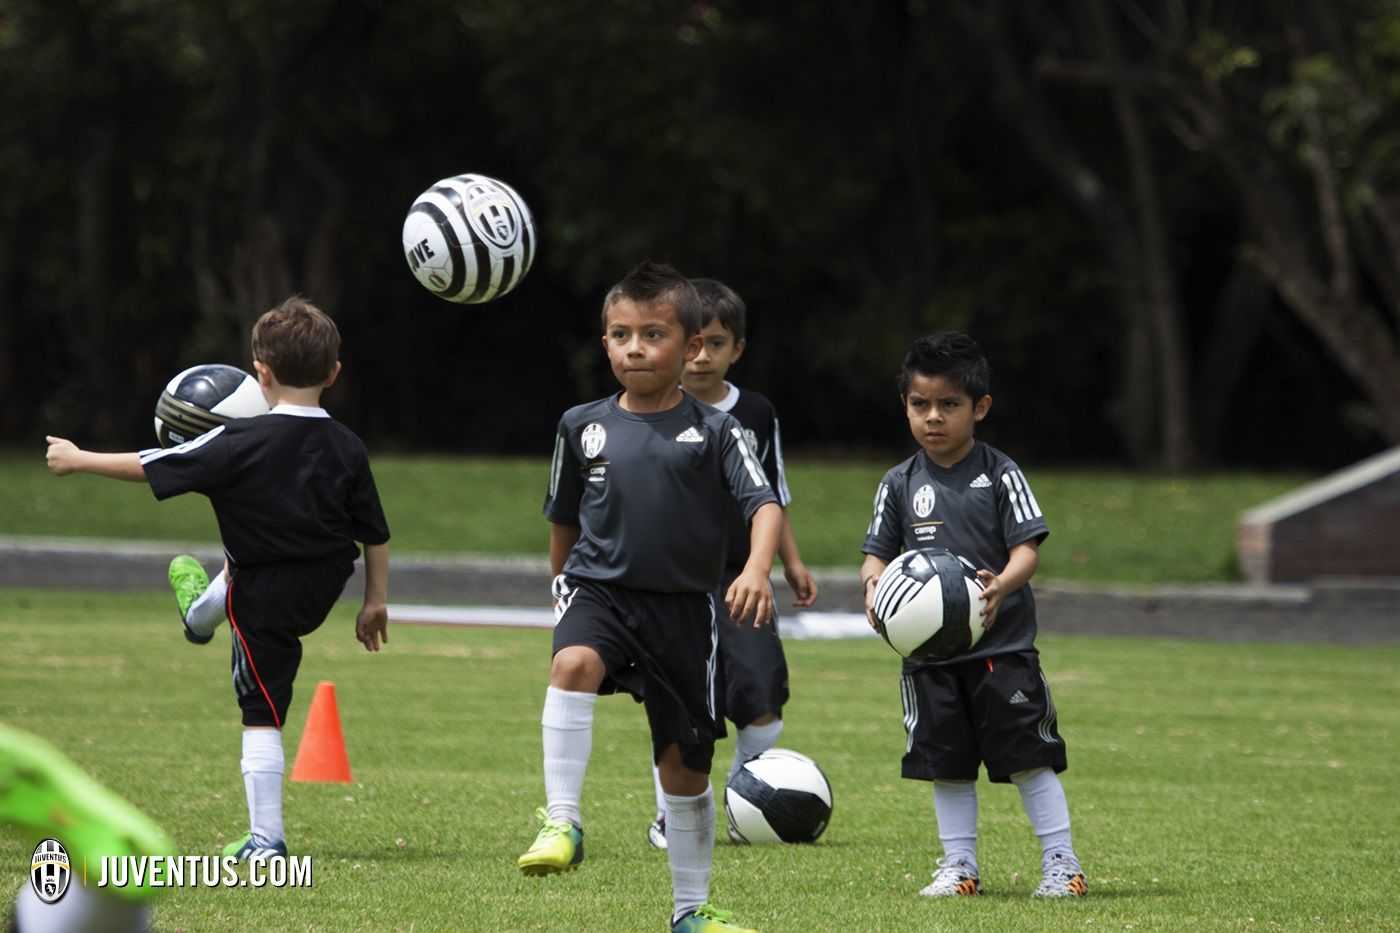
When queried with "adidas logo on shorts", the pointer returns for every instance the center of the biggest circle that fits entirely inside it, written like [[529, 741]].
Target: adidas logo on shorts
[[690, 436], [981, 482], [1018, 697]]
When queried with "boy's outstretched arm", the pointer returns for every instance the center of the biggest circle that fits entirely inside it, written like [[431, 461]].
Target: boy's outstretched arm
[[65, 457], [372, 623], [804, 587], [751, 591], [1020, 567], [870, 570]]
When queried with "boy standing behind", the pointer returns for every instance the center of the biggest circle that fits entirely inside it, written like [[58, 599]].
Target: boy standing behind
[[991, 704], [292, 491], [752, 665], [639, 492]]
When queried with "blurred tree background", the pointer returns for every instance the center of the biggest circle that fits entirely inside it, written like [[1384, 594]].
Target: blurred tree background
[[1174, 226]]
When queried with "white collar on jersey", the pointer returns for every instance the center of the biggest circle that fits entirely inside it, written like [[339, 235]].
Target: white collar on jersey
[[301, 411], [731, 398]]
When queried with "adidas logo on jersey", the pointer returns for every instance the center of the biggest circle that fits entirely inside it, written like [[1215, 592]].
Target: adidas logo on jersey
[[1018, 696], [690, 436], [981, 482]]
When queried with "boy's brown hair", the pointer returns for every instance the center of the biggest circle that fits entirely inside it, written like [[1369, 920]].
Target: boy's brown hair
[[298, 342], [657, 283]]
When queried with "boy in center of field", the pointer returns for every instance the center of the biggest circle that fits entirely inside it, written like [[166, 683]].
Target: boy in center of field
[[752, 665], [640, 489], [292, 492], [992, 703]]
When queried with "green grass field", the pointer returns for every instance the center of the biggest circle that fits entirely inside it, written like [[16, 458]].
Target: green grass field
[[1105, 526], [1213, 787]]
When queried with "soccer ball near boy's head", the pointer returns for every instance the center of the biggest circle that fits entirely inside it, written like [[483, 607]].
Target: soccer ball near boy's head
[[201, 398], [469, 239]]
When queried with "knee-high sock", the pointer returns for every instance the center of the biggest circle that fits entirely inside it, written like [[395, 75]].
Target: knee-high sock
[[263, 764], [690, 848], [955, 803], [1043, 796], [207, 612], [567, 725], [754, 740], [82, 910]]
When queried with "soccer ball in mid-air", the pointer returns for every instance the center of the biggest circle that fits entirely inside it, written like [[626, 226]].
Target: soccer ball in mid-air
[[469, 239], [779, 796], [928, 604], [201, 398]]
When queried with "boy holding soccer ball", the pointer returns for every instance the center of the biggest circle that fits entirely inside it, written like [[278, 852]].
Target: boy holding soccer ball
[[292, 491], [640, 489], [990, 705], [752, 666]]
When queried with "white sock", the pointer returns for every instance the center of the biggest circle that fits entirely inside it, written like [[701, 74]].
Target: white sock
[[263, 765], [207, 612], [690, 848], [568, 741], [754, 740], [660, 794], [955, 803], [82, 910], [1043, 796]]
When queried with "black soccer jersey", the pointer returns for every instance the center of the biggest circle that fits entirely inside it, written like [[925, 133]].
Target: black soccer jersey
[[290, 485], [652, 493], [979, 509], [760, 423]]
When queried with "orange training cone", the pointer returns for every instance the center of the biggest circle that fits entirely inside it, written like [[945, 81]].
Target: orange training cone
[[321, 755]]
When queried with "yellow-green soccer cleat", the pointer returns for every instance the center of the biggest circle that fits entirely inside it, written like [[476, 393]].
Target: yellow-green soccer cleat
[[709, 919], [47, 795], [189, 581], [558, 847]]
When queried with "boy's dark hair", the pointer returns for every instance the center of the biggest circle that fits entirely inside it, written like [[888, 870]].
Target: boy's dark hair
[[950, 354], [719, 302], [298, 342], [657, 283]]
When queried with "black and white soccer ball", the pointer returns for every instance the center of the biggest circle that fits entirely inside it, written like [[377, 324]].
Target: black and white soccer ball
[[928, 604], [201, 398], [779, 796], [469, 239]]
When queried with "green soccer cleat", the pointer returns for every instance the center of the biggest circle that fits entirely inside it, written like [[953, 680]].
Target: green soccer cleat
[[189, 581], [46, 794], [557, 848], [708, 919], [253, 849]]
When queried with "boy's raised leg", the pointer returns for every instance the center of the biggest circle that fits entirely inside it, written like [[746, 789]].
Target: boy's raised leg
[[201, 602]]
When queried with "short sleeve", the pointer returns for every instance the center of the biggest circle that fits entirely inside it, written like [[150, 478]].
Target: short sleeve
[[200, 465], [883, 536], [367, 522], [743, 474], [1021, 518], [773, 464], [565, 481]]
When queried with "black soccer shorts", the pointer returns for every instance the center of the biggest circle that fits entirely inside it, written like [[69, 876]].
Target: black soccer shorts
[[753, 668], [996, 711], [271, 607], [659, 647]]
